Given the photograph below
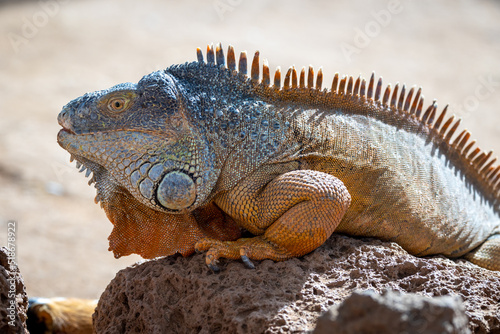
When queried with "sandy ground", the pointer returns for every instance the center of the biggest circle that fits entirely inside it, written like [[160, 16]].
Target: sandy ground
[[53, 51]]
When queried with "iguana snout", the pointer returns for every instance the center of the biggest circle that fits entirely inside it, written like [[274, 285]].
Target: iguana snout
[[98, 111]]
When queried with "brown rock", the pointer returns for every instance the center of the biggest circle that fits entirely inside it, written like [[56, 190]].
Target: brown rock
[[393, 313], [181, 295], [13, 297]]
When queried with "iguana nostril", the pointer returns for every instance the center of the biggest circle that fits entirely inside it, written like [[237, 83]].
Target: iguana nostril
[[61, 117], [176, 191]]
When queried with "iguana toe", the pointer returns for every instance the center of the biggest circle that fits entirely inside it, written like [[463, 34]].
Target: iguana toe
[[256, 248], [247, 261], [239, 249], [212, 263]]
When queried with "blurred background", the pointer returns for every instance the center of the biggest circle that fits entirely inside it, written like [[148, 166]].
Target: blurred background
[[52, 51]]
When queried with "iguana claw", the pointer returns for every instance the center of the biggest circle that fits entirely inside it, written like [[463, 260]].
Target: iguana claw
[[212, 263], [247, 262], [227, 249]]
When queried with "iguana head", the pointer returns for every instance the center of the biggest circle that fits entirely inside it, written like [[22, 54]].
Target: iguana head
[[138, 138]]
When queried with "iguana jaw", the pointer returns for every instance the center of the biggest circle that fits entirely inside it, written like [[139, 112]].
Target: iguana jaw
[[160, 175], [93, 170]]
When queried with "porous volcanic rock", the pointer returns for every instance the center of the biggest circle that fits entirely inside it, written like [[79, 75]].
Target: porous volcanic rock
[[13, 297], [393, 313], [181, 295]]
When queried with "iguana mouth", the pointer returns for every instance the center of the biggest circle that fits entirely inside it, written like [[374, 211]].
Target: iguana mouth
[[83, 164], [66, 130], [62, 133]]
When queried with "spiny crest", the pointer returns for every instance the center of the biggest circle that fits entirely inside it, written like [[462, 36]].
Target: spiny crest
[[394, 100]]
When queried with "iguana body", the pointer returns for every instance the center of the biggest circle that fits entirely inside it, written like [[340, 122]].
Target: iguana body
[[191, 155]]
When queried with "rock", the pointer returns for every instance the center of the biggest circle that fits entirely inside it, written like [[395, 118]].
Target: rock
[[14, 300], [393, 313], [177, 294]]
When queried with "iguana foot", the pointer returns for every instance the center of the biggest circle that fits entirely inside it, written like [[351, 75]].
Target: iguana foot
[[256, 248]]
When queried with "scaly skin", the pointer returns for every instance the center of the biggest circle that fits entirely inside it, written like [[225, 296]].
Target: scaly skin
[[188, 157]]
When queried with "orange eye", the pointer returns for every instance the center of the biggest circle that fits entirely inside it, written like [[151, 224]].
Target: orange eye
[[117, 104]]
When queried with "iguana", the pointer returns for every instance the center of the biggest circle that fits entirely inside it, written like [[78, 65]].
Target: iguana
[[192, 156]]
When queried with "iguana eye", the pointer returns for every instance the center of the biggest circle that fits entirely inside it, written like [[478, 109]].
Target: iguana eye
[[117, 104]]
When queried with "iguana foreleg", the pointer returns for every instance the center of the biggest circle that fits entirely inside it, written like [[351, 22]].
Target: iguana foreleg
[[291, 214]]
